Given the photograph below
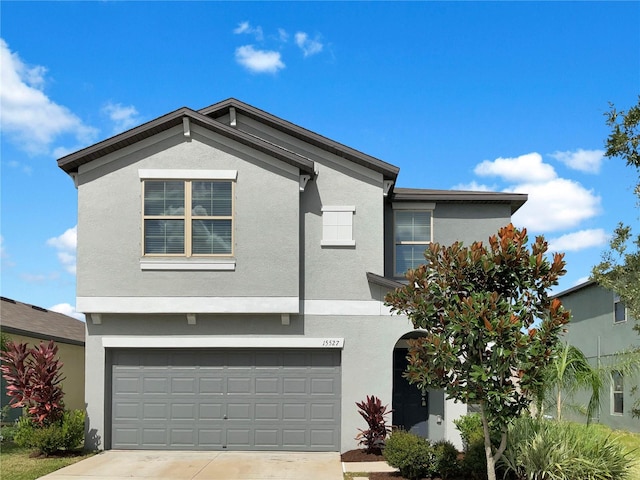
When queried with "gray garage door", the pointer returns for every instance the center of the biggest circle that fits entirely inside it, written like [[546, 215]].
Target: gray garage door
[[198, 399]]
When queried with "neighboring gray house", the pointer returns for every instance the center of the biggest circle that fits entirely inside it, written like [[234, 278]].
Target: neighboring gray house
[[601, 327], [233, 268]]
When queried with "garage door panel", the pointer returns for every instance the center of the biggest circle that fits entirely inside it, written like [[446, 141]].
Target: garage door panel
[[222, 399], [155, 411], [153, 385], [126, 411], [267, 385], [239, 385], [184, 385], [212, 385]]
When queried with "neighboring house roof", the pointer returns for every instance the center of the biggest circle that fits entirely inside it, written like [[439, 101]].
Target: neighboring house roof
[[222, 108], [516, 200], [37, 322], [70, 163], [580, 286]]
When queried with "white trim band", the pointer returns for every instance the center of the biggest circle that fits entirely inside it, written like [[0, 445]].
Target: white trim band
[[211, 265], [186, 174], [145, 341], [188, 304]]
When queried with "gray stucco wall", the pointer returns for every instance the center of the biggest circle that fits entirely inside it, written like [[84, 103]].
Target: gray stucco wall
[[592, 330], [266, 221], [334, 272], [454, 222]]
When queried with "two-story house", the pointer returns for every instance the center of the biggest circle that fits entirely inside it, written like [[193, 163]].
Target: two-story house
[[601, 327], [233, 268]]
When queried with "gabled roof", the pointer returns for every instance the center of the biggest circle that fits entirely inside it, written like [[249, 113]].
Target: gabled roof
[[575, 288], [37, 322], [516, 200], [71, 162], [222, 108]]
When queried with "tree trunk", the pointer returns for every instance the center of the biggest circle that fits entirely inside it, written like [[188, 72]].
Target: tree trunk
[[559, 405], [491, 467]]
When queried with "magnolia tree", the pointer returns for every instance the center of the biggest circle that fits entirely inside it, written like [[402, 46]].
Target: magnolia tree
[[490, 326]]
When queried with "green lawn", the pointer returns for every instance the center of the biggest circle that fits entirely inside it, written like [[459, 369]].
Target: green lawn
[[15, 463]]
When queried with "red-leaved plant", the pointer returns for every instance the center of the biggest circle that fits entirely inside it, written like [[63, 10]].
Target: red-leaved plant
[[34, 380], [374, 414]]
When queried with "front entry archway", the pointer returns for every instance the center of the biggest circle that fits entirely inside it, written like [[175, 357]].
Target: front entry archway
[[410, 404]]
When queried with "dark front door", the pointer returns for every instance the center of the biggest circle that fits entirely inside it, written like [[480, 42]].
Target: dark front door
[[410, 406]]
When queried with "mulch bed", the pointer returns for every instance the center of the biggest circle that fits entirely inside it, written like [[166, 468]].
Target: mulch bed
[[360, 455]]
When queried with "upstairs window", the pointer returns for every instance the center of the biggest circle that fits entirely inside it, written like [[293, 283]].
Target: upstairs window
[[617, 393], [412, 236], [188, 218], [619, 310]]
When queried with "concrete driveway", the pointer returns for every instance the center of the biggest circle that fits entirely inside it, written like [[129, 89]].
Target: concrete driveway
[[119, 464]]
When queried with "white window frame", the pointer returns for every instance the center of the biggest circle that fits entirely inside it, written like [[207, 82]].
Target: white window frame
[[614, 392], [188, 176], [411, 207], [617, 300], [334, 220]]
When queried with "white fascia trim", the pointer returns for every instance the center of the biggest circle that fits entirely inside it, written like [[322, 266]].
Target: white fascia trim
[[210, 265], [344, 307], [187, 174], [339, 208], [188, 304], [201, 341]]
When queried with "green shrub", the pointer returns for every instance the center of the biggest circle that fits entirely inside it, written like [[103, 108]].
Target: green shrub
[[65, 434], [7, 432], [470, 427], [411, 454], [474, 464], [550, 450], [446, 459]]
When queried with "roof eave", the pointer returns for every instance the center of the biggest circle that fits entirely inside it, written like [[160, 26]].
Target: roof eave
[[221, 108], [70, 163], [516, 200]]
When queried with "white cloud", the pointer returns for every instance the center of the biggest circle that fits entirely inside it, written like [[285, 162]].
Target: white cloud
[[309, 47], [259, 61], [245, 27], [588, 161], [123, 117], [26, 169], [283, 36], [67, 309], [474, 187], [573, 242], [29, 118], [5, 258], [39, 278], [558, 204], [66, 245], [525, 168]]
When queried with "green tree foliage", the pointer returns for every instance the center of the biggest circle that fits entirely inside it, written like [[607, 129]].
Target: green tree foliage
[[477, 306], [571, 371], [619, 268]]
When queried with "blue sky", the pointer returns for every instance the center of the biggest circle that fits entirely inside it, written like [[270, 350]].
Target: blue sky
[[506, 96]]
